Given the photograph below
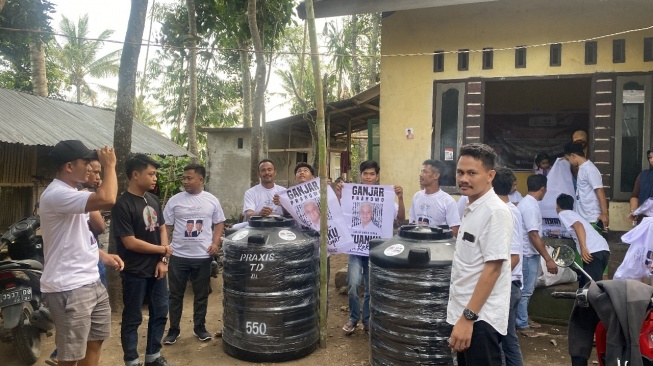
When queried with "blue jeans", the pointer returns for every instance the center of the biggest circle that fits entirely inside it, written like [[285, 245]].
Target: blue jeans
[[358, 268], [529, 270], [510, 343], [134, 290]]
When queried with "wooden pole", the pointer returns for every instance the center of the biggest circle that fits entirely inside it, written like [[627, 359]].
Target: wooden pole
[[321, 141]]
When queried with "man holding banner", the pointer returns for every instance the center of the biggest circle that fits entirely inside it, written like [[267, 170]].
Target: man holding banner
[[371, 210]]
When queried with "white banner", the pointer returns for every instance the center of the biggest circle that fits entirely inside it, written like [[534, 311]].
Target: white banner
[[370, 212], [559, 180], [303, 203]]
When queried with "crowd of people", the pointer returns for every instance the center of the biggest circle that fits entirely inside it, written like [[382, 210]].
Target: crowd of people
[[498, 235]]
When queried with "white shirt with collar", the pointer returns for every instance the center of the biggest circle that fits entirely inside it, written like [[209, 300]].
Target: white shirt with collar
[[517, 242], [484, 235]]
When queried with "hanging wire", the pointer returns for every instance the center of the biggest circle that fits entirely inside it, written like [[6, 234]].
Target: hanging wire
[[418, 54]]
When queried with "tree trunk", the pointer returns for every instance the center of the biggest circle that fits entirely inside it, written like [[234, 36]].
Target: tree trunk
[[246, 83], [122, 133], [2, 4], [191, 112], [374, 50], [319, 106], [259, 92], [355, 65], [37, 58]]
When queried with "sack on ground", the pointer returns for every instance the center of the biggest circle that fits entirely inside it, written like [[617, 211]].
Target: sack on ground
[[564, 275]]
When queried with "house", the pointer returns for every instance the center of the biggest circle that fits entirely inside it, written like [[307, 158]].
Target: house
[[31, 125], [289, 142], [519, 75]]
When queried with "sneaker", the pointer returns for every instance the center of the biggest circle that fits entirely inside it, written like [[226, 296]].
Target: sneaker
[[200, 332], [158, 362], [173, 335]]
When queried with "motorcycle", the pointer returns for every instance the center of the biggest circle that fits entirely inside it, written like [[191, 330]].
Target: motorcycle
[[585, 298], [24, 317]]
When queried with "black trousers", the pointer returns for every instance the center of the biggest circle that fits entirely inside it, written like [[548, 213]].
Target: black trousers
[[595, 268], [485, 347], [180, 270]]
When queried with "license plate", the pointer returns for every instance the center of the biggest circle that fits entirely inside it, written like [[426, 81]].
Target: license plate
[[15, 296]]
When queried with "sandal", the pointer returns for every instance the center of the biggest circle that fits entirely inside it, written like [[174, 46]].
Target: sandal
[[349, 328], [528, 332], [52, 362], [533, 324]]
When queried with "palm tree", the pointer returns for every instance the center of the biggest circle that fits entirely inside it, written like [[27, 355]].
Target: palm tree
[[78, 57]]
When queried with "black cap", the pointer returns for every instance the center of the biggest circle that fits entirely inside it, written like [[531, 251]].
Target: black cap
[[71, 150], [572, 148]]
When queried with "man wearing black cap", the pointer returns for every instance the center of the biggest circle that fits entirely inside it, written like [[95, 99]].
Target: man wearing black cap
[[590, 196], [70, 283]]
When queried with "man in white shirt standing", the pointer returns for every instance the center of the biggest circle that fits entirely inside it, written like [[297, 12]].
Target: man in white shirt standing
[[192, 256], [501, 183], [259, 200], [433, 206], [590, 195], [479, 294], [534, 247], [70, 283]]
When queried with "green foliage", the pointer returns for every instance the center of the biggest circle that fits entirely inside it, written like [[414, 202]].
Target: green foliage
[[15, 67], [79, 59], [170, 175]]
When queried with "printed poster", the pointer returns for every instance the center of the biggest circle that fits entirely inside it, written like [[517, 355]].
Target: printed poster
[[370, 212], [303, 203]]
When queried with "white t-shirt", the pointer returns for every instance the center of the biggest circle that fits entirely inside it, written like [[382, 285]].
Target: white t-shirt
[[484, 235], [593, 240], [462, 203], [532, 219], [71, 251], [589, 179], [515, 197], [184, 210], [258, 197], [517, 242], [434, 209]]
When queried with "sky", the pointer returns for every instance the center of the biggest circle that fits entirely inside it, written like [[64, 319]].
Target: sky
[[105, 14]]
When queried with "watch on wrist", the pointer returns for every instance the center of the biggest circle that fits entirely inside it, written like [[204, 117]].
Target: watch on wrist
[[165, 260], [470, 315]]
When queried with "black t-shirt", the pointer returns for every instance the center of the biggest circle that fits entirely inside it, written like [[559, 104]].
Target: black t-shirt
[[140, 217]]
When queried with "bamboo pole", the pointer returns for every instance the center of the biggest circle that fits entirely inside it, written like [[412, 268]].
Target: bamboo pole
[[321, 141]]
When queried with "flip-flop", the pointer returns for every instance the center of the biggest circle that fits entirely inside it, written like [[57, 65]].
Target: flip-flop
[[528, 332], [349, 328], [533, 324]]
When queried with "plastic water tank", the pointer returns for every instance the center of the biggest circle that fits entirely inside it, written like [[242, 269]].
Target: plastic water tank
[[409, 289], [271, 288]]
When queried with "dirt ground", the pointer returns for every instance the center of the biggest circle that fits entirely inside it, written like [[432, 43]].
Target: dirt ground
[[550, 348]]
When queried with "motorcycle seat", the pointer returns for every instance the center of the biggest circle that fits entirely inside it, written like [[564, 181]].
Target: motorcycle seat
[[21, 264], [33, 264]]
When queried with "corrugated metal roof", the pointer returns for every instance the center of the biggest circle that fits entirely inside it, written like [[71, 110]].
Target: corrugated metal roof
[[32, 120]]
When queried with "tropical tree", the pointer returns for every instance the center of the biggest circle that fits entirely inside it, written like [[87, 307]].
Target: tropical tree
[[79, 59], [23, 62], [122, 134]]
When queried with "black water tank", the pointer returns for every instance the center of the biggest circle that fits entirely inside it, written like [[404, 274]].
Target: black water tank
[[271, 288], [409, 291]]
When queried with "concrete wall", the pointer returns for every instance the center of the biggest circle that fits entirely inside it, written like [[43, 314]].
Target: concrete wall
[[407, 82], [228, 169]]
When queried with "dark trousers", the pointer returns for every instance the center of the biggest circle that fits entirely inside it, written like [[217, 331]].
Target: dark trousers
[[510, 343], [180, 270], [485, 347], [595, 268], [134, 290]]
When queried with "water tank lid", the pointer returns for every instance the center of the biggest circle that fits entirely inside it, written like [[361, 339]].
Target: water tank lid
[[270, 221], [422, 232]]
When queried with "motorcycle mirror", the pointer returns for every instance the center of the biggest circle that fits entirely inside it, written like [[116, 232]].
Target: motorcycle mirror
[[563, 256]]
